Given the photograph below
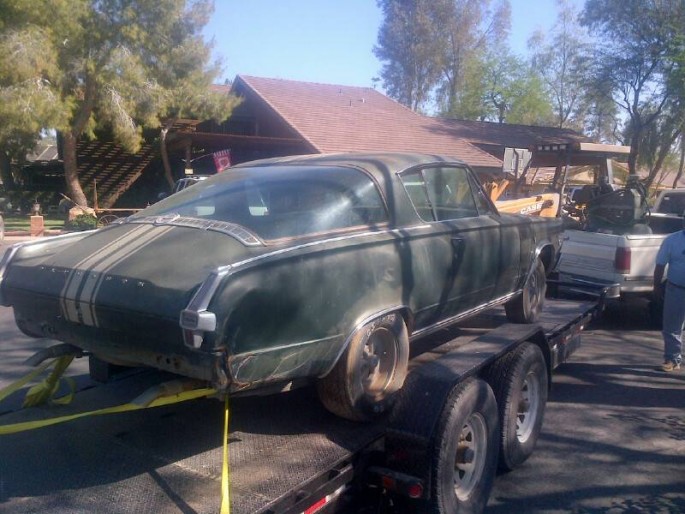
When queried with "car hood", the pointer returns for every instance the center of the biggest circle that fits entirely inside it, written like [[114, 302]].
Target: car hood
[[144, 267]]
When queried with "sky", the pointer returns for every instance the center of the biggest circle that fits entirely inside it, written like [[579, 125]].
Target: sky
[[326, 41]]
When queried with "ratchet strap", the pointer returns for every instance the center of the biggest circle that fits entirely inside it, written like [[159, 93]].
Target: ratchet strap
[[166, 393]]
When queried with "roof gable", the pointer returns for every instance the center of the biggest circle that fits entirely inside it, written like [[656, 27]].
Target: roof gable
[[334, 118]]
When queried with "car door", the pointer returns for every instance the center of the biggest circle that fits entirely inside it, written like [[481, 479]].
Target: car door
[[444, 197]]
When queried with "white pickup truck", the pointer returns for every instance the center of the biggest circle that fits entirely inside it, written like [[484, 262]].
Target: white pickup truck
[[626, 259]]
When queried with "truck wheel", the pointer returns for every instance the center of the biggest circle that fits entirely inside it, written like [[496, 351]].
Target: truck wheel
[[364, 382], [464, 451], [519, 381], [526, 307]]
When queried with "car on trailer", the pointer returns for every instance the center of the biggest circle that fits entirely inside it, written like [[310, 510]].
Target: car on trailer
[[287, 271]]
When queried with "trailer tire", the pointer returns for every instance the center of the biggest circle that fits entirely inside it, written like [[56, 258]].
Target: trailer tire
[[526, 307], [464, 450], [520, 383], [364, 382]]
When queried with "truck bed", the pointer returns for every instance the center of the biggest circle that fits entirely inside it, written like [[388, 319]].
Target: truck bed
[[169, 459]]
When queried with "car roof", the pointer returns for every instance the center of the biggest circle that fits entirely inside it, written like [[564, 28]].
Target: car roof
[[378, 164]]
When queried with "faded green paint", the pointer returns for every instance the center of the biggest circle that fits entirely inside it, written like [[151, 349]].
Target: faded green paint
[[284, 307]]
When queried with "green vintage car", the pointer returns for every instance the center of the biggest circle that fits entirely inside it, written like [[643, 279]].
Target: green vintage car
[[287, 271]]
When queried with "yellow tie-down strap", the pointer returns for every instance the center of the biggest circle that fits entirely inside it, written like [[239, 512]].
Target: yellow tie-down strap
[[166, 393]]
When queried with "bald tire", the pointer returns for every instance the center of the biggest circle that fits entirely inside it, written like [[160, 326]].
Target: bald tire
[[464, 450], [527, 306], [364, 382]]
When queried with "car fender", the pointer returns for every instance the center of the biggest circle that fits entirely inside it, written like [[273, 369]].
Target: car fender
[[404, 311]]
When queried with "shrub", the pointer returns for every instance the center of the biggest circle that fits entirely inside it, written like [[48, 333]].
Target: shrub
[[81, 222]]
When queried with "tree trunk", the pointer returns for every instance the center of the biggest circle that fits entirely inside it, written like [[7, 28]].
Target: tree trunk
[[165, 156], [6, 171], [664, 151], [634, 150], [682, 161], [74, 189]]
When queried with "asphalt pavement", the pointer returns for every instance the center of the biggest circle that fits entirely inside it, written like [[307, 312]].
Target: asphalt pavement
[[613, 440]]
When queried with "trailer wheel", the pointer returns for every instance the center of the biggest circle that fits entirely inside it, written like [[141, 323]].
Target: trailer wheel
[[520, 383], [364, 382], [464, 452], [526, 307]]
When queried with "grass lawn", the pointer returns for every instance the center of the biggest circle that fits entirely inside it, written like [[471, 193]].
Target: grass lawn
[[23, 222]]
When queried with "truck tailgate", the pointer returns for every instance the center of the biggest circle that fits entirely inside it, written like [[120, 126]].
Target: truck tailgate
[[588, 253]]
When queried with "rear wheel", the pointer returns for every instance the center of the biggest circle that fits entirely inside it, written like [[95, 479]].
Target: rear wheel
[[366, 378], [520, 383], [526, 307], [464, 454]]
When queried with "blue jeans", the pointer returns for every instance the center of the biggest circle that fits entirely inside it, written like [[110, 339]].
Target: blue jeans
[[674, 319]]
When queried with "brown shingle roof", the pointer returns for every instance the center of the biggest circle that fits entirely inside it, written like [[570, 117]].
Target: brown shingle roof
[[510, 135], [334, 118]]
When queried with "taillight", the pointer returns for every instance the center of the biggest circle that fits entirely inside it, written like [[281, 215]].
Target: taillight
[[622, 260]]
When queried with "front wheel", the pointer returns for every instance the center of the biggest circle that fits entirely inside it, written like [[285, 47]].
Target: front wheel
[[364, 382], [526, 307], [464, 452]]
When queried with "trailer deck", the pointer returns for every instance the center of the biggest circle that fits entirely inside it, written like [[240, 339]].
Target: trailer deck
[[283, 448]]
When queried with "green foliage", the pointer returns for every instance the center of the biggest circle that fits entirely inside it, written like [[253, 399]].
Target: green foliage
[[560, 59], [409, 50], [81, 222], [427, 46], [639, 57], [116, 65]]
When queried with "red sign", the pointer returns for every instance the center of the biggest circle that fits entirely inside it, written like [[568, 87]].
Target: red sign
[[222, 160]]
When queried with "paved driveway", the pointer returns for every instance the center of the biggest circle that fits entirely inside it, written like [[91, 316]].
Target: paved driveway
[[614, 434]]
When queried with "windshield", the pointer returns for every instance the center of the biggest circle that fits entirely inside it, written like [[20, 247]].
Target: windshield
[[280, 201]]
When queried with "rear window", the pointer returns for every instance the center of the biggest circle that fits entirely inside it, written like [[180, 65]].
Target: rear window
[[672, 203], [281, 201]]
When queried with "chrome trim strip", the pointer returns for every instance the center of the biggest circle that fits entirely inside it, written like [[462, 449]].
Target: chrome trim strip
[[203, 297], [358, 327], [204, 321], [242, 234], [200, 300], [290, 249], [449, 321], [265, 351]]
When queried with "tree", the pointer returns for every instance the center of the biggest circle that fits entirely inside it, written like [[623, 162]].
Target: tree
[[468, 30], [408, 48], [513, 92], [27, 102], [560, 62], [637, 56], [122, 65], [427, 47]]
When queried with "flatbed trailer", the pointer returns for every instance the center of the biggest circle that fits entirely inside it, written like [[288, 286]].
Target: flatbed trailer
[[289, 455], [336, 458]]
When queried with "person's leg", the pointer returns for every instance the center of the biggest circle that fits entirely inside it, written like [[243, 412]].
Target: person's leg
[[674, 317]]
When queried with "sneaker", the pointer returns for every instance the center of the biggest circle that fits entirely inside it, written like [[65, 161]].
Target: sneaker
[[669, 366]]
